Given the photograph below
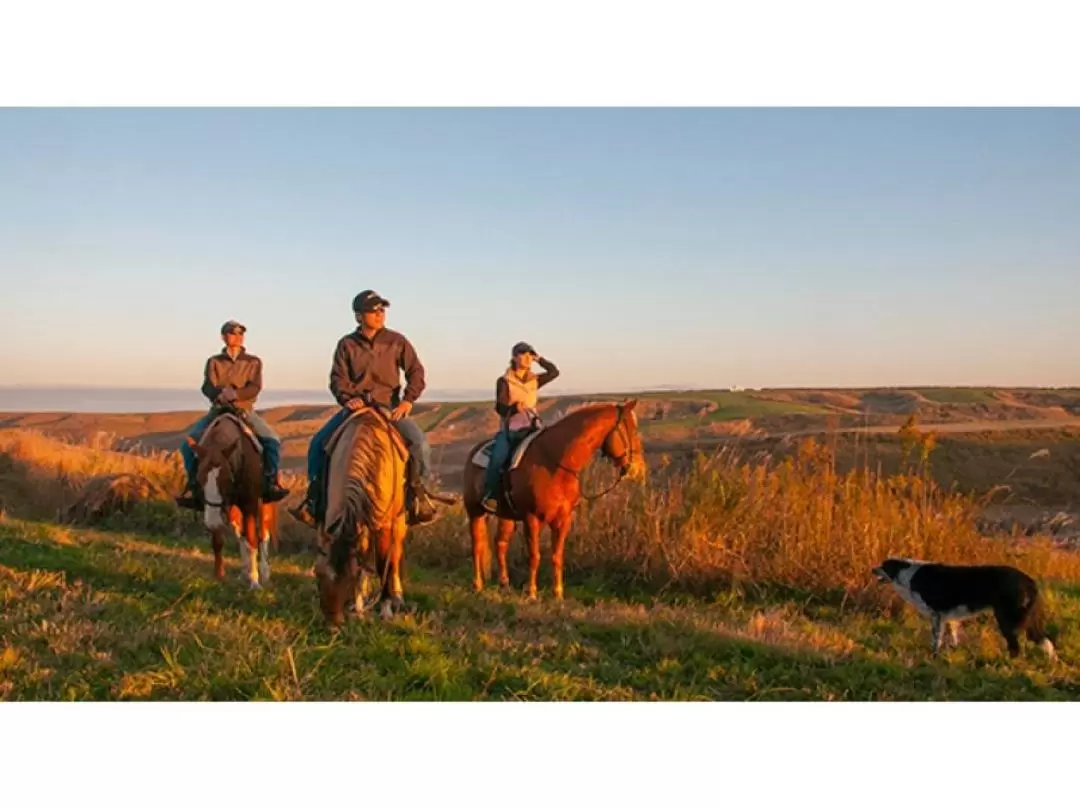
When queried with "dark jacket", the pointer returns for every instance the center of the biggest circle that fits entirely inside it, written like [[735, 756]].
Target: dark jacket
[[244, 374], [372, 369], [502, 391]]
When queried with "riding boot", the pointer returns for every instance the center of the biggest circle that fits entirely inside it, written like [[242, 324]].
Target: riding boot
[[305, 511], [272, 489], [421, 509], [192, 498]]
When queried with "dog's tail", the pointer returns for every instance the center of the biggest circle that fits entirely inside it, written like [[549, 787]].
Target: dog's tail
[[1035, 625]]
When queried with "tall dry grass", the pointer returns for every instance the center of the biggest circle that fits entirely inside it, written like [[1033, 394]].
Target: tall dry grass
[[759, 524], [725, 520]]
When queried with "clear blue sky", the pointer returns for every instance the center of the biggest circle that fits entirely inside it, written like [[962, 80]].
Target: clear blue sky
[[634, 247]]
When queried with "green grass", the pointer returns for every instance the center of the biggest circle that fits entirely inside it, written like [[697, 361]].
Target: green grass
[[958, 395], [112, 615]]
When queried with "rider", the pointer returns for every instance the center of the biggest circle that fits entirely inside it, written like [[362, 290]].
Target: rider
[[233, 378], [366, 372], [515, 401]]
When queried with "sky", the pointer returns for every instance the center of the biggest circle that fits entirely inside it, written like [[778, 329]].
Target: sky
[[636, 248]]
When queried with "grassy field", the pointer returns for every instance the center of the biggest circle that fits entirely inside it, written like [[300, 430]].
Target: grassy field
[[738, 573], [114, 615]]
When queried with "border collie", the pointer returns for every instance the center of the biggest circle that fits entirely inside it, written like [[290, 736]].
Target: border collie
[[948, 594]]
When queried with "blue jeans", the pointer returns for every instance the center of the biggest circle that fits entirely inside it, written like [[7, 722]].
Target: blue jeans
[[505, 441], [415, 439], [270, 444]]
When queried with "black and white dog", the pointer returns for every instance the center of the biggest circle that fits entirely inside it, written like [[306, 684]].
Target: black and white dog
[[948, 594]]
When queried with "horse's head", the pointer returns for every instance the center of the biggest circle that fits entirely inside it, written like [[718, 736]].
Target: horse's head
[[214, 473], [337, 574], [623, 444]]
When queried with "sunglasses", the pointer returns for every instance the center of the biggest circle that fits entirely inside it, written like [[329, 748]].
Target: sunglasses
[[379, 310]]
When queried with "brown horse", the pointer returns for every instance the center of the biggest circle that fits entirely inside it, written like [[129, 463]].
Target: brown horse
[[546, 486], [365, 513], [230, 474]]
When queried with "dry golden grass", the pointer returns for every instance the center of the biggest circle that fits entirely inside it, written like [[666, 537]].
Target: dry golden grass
[[726, 521], [759, 525]]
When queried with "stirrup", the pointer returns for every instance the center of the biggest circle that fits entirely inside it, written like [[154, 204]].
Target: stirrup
[[302, 513]]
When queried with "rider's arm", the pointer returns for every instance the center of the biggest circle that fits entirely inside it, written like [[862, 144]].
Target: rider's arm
[[341, 384], [551, 372], [250, 390], [502, 398], [414, 372], [209, 388]]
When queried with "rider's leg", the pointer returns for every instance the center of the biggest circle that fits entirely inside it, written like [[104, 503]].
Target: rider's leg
[[314, 464], [192, 494], [271, 443], [419, 467], [500, 453]]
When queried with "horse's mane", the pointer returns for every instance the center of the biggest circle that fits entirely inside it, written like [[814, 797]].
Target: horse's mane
[[366, 489], [570, 420]]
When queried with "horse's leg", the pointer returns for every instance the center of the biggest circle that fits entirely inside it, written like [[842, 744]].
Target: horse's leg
[[532, 534], [502, 544], [559, 530], [266, 520], [249, 550], [397, 552], [217, 540], [480, 547], [382, 553]]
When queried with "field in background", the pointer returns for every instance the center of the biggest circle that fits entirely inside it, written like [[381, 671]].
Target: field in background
[[740, 570]]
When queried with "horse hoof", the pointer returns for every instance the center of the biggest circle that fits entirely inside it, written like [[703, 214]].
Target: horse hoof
[[386, 612]]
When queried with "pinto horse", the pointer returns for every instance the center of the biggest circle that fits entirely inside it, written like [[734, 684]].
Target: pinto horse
[[545, 487], [363, 531], [230, 474]]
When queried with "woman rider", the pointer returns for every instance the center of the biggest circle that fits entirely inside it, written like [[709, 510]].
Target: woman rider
[[515, 401]]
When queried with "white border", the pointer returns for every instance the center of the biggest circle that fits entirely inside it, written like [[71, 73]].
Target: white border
[[523, 754], [558, 52]]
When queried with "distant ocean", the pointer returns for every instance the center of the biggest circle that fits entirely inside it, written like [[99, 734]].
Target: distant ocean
[[87, 399]]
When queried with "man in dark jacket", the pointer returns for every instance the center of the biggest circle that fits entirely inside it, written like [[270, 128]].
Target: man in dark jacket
[[366, 372], [233, 377]]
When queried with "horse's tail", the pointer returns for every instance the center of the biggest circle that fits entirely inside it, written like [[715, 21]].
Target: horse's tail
[[373, 493]]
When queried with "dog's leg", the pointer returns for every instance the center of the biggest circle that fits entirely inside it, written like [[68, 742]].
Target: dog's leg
[[935, 633], [1008, 624], [954, 633]]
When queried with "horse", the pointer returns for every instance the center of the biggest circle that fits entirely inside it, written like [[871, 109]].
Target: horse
[[365, 514], [229, 471], [545, 487]]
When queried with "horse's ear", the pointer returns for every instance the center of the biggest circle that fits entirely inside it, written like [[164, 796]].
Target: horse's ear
[[629, 405], [230, 450]]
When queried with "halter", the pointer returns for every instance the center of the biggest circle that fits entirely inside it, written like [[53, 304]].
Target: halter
[[628, 455]]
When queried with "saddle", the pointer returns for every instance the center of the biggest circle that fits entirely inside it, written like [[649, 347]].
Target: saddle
[[482, 458], [241, 423], [395, 436], [322, 493]]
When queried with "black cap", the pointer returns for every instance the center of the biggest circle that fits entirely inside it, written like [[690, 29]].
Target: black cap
[[232, 326], [368, 300], [522, 348]]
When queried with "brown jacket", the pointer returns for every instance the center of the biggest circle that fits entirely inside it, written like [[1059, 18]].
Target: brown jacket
[[372, 368], [244, 374]]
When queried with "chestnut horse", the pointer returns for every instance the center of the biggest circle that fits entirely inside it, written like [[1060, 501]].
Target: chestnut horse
[[546, 486], [365, 511], [230, 474]]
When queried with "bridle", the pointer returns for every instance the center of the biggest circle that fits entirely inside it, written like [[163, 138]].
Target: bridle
[[623, 462]]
